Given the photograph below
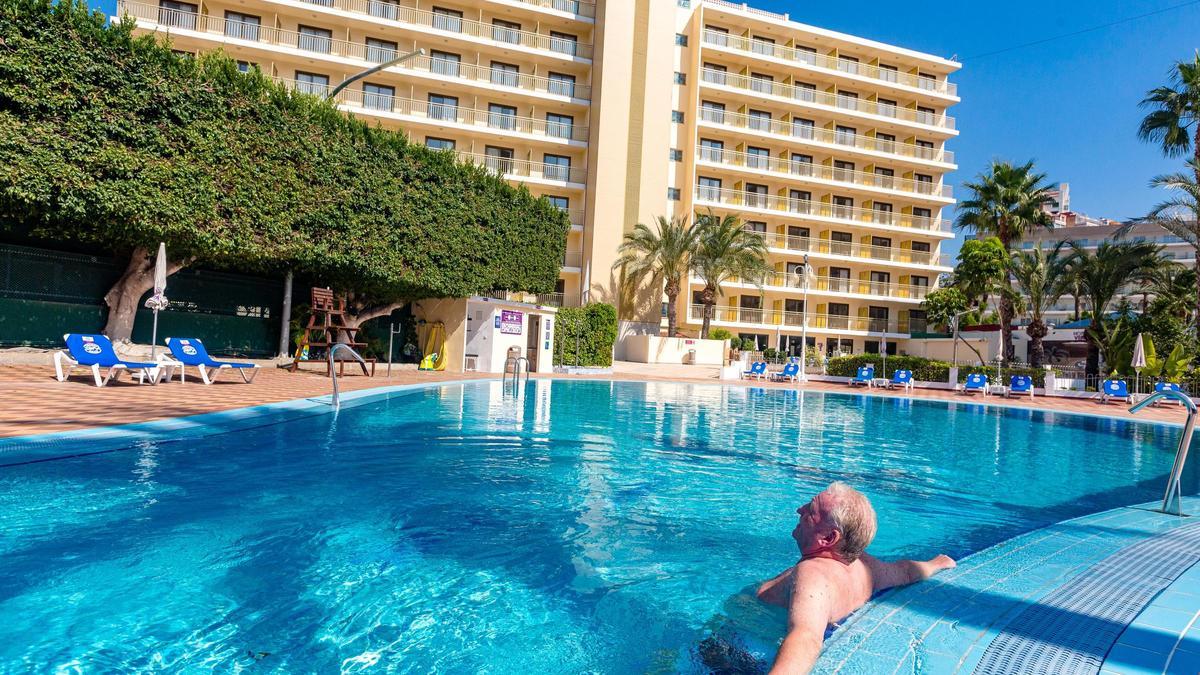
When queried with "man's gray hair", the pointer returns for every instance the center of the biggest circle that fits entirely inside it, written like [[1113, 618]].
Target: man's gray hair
[[854, 517]]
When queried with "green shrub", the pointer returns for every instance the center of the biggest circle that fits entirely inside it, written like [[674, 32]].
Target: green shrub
[[719, 334], [584, 336], [924, 370]]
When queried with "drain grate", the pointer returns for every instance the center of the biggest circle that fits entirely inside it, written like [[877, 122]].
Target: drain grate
[[1071, 629]]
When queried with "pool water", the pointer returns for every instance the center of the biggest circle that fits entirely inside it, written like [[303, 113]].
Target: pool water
[[583, 526]]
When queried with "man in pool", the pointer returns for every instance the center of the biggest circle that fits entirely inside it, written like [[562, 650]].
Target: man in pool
[[835, 576]]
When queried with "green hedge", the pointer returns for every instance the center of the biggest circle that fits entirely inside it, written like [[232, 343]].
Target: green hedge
[[584, 336], [924, 370]]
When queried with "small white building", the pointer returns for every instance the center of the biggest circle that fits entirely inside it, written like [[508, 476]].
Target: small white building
[[481, 333]]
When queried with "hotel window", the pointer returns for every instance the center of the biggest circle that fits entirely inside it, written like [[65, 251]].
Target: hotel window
[[677, 116], [712, 112], [447, 19], [881, 242], [922, 217], [922, 250], [444, 63], [315, 39], [843, 171], [878, 320], [379, 51], [557, 167], [806, 55], [799, 201], [680, 40], [843, 207], [680, 78], [885, 142], [673, 194], [676, 155], [922, 282], [443, 107], [758, 158], [924, 183], [797, 238], [750, 311], [762, 45], [879, 282], [709, 189], [762, 83], [756, 195], [716, 36], [506, 31], [559, 126], [242, 26], [803, 128], [926, 150], [884, 178], [505, 74], [926, 115], [439, 143], [378, 96], [245, 66], [886, 107], [802, 164], [497, 159], [564, 43], [847, 100], [841, 243], [888, 73], [883, 213], [561, 84], [385, 9], [177, 14], [502, 116], [918, 321], [806, 92], [760, 120], [756, 226], [844, 135], [847, 64], [312, 83], [714, 74], [839, 315], [713, 151], [560, 203], [927, 81]]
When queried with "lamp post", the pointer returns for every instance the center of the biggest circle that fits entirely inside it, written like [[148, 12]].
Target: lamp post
[[804, 325], [371, 71]]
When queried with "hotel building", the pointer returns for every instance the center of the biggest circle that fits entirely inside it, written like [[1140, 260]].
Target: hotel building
[[831, 146]]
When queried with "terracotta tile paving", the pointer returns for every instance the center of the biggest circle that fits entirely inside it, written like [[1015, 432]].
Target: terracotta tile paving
[[34, 402]]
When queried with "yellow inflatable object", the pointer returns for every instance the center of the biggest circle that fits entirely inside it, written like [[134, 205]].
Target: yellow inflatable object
[[435, 347]]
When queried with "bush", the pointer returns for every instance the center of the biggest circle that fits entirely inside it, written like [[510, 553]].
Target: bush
[[924, 370], [584, 336], [720, 334]]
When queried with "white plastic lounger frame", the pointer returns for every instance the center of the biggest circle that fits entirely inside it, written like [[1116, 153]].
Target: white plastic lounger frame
[[209, 373], [62, 359]]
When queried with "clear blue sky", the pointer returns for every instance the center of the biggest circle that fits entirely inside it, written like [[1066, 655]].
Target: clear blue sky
[[1070, 104]]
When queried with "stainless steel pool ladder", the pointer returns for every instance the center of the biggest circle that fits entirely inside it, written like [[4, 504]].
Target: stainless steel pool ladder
[[515, 362], [1172, 498], [337, 403]]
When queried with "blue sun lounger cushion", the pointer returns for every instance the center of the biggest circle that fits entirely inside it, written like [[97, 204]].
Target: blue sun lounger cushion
[[1114, 389], [864, 375], [1020, 384], [901, 378], [790, 371], [96, 352], [191, 352], [975, 382]]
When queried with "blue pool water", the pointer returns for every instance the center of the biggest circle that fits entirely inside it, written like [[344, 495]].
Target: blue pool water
[[586, 526]]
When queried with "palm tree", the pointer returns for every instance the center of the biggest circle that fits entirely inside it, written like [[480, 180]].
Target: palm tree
[[661, 255], [1102, 275], [1174, 118], [1041, 277], [725, 250], [1006, 203], [1174, 291]]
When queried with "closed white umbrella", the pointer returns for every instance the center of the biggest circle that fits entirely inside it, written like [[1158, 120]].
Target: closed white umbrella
[[158, 299], [1139, 361]]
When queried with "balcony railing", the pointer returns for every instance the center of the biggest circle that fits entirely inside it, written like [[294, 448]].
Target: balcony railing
[[821, 171], [813, 96], [576, 7], [851, 249], [320, 44], [828, 284], [774, 318], [573, 259], [808, 208], [455, 24], [807, 133], [509, 167], [828, 63]]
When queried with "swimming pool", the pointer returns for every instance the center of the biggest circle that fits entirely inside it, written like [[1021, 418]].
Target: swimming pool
[[584, 526]]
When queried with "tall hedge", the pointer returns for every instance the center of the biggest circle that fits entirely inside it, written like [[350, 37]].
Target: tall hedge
[[115, 141], [923, 369], [585, 336]]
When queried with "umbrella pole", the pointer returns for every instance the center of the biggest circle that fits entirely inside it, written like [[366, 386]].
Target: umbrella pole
[[154, 338]]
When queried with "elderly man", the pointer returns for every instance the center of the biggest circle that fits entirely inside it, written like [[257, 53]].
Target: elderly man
[[834, 576]]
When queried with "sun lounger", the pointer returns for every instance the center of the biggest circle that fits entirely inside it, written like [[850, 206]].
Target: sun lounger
[[1167, 386], [975, 382], [1114, 389], [864, 376], [758, 370], [1019, 385], [790, 372], [191, 352], [96, 352], [902, 379]]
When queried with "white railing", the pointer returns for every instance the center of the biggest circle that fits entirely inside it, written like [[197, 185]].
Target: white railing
[[809, 208], [849, 249], [321, 44], [831, 64], [774, 318], [828, 284], [576, 7], [573, 259], [393, 11], [814, 96], [509, 167], [821, 171], [812, 134]]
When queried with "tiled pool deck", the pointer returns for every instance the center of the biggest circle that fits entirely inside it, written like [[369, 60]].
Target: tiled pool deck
[[946, 624]]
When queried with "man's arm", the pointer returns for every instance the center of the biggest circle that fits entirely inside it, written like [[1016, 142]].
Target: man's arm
[[903, 572], [778, 591], [808, 616]]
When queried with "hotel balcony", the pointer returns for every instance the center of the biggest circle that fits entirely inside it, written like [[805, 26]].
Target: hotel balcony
[[828, 139], [578, 9], [572, 262], [524, 171], [770, 319], [358, 55], [843, 69], [449, 116], [829, 176], [820, 211], [854, 252], [832, 103], [831, 286]]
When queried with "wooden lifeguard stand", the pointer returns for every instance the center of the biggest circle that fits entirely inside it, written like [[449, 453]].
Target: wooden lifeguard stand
[[327, 323]]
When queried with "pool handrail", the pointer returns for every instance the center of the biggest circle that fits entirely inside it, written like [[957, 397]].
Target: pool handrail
[[1172, 498], [336, 401]]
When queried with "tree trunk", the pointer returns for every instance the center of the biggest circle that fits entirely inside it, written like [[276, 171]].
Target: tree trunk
[[1093, 351], [1037, 351], [709, 298], [357, 316], [1006, 315], [122, 298], [672, 293]]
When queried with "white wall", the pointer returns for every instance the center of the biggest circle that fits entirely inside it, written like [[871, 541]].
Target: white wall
[[492, 345], [655, 349]]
